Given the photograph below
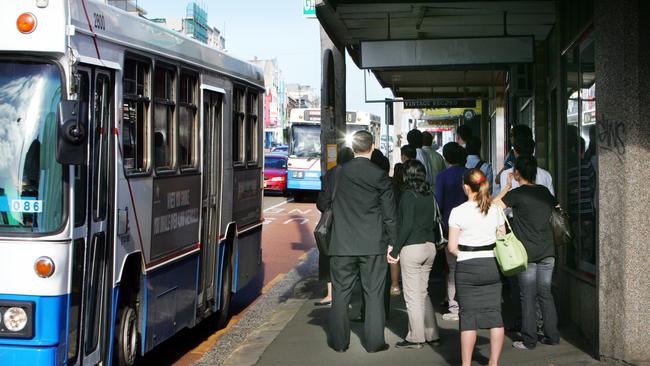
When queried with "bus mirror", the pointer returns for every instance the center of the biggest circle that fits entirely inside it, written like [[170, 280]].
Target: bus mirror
[[72, 118]]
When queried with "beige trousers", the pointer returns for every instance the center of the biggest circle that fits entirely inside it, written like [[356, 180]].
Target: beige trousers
[[416, 261]]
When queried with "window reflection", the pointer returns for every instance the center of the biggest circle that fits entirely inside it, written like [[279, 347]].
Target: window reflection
[[581, 155], [30, 178]]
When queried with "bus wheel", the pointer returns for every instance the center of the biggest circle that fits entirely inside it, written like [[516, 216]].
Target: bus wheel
[[127, 338], [226, 285]]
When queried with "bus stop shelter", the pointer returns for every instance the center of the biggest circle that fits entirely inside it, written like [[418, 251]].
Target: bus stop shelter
[[540, 63]]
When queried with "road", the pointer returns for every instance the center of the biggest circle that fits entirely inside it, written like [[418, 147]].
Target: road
[[286, 237]]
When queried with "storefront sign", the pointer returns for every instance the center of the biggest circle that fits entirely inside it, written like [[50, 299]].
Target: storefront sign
[[439, 103]]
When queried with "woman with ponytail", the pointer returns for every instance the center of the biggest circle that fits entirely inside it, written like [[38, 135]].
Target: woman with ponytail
[[473, 228]]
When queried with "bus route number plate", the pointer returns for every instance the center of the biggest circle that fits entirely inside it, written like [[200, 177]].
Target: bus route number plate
[[31, 206]]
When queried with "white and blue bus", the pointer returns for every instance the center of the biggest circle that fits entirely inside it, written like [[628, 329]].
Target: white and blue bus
[[303, 173], [360, 120], [130, 183], [304, 168]]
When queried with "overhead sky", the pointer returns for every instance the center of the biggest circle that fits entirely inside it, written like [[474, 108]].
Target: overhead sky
[[269, 29]]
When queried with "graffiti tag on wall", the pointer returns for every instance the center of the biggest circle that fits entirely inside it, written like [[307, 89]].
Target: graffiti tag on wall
[[611, 136]]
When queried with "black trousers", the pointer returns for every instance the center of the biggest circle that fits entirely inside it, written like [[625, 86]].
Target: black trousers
[[372, 272]]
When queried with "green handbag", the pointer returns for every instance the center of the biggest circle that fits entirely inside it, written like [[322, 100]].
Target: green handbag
[[510, 252]]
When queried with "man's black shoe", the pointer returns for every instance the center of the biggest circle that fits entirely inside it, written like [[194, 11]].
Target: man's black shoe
[[340, 350], [384, 347], [547, 341], [358, 319], [407, 344]]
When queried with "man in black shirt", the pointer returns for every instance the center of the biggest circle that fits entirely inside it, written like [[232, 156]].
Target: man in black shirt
[[532, 205]]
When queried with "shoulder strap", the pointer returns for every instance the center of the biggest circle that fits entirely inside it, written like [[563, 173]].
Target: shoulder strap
[[479, 165], [437, 215], [336, 183], [505, 217]]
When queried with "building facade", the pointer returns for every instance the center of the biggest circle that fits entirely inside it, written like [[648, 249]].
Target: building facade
[[274, 102]]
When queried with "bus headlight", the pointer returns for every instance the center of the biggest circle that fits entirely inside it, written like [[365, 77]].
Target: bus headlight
[[15, 319], [297, 174]]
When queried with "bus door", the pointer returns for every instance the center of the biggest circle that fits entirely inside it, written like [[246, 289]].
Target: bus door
[[210, 206], [90, 300]]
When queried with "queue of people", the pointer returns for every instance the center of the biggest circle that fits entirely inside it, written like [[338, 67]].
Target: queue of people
[[381, 222]]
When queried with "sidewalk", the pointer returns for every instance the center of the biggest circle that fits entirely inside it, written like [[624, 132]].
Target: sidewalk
[[295, 334]]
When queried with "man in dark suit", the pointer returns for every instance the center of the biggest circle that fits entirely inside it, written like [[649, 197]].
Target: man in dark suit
[[364, 212]]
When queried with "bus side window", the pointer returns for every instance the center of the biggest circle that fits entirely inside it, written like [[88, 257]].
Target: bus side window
[[163, 117], [251, 128], [135, 110], [187, 121], [238, 114]]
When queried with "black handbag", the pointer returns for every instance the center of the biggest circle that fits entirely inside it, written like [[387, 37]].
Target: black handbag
[[323, 229], [561, 227]]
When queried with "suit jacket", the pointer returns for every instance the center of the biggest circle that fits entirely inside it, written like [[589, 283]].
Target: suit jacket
[[364, 209]]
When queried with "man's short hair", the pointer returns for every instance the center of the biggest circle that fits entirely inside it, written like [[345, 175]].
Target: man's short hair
[[362, 141], [473, 146], [408, 151], [427, 138], [526, 165], [464, 131], [414, 138], [524, 147], [454, 153], [521, 132]]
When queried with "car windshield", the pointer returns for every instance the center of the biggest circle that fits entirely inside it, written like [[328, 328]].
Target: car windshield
[[305, 141], [275, 163], [31, 181]]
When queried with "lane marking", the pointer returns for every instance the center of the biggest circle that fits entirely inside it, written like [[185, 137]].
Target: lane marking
[[279, 204]]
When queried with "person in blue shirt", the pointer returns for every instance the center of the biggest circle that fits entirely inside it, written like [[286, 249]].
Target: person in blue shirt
[[450, 194], [474, 160], [518, 132]]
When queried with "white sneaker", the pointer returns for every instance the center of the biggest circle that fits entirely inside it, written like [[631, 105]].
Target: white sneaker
[[450, 317]]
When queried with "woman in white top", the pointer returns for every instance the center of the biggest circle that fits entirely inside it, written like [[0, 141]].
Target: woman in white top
[[472, 235]]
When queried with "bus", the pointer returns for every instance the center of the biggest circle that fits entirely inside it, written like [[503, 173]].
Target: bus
[[304, 170], [130, 183], [303, 173], [360, 120]]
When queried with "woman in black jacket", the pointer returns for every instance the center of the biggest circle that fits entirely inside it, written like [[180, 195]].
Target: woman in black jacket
[[415, 251]]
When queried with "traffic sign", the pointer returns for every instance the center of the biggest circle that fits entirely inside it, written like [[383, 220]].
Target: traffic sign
[[309, 8]]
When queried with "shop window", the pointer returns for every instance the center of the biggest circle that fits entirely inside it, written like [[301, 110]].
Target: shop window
[[135, 114], [187, 121], [581, 156], [163, 117], [238, 115]]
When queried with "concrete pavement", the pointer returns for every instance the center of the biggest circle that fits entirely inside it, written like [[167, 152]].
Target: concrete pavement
[[294, 333]]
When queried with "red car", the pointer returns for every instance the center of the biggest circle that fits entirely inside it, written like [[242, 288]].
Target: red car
[[275, 172]]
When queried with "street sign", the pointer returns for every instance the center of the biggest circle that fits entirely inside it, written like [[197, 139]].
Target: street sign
[[309, 8]]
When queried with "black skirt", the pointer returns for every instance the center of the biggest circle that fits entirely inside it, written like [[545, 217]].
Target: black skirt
[[478, 292]]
